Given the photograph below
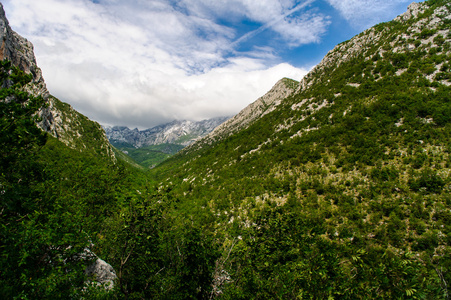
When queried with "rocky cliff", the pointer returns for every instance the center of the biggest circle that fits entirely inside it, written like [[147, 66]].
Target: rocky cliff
[[58, 118]]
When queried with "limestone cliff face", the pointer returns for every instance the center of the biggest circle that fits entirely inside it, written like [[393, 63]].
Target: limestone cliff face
[[20, 52], [58, 119]]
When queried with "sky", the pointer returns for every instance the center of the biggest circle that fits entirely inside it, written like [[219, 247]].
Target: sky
[[141, 63]]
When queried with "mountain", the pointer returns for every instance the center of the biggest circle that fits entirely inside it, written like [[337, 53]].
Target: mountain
[[150, 147], [57, 118], [59, 180], [176, 132], [262, 106], [342, 189], [336, 187]]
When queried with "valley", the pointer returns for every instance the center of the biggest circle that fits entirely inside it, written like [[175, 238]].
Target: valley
[[151, 146], [334, 187]]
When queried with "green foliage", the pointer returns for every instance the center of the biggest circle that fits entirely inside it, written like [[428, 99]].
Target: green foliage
[[40, 245], [83, 133], [334, 193], [152, 155], [342, 192], [157, 255], [288, 254], [428, 181], [425, 33], [54, 200]]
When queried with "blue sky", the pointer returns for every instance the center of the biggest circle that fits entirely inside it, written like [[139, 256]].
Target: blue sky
[[142, 63]]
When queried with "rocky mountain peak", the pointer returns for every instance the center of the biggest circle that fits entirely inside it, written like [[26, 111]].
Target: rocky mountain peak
[[19, 51], [183, 132], [413, 10]]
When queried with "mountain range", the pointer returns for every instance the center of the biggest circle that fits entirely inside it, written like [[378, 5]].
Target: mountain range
[[176, 132], [334, 187], [150, 147]]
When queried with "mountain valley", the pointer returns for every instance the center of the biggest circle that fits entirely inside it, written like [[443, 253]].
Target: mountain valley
[[334, 187], [151, 146]]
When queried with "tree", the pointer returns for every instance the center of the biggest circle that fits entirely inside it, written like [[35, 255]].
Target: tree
[[40, 244]]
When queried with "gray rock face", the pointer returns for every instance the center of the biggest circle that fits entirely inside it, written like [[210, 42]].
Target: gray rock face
[[413, 10], [58, 119], [176, 132], [20, 52], [102, 273]]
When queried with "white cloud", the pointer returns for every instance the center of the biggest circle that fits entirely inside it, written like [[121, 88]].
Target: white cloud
[[365, 13], [141, 63], [280, 16]]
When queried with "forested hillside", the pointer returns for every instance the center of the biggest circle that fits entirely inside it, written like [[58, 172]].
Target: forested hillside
[[53, 199], [344, 189], [341, 190]]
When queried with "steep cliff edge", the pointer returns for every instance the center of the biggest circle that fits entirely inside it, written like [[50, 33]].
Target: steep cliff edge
[[58, 119]]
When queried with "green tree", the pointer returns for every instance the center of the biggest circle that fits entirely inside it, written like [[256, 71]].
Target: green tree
[[40, 243]]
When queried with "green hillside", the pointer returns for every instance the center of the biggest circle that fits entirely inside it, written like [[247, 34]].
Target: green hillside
[[344, 189], [54, 198], [149, 156]]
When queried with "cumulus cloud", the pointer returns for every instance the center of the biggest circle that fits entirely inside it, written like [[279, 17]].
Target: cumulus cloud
[[142, 63]]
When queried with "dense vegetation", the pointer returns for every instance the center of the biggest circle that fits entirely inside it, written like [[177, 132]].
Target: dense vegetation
[[57, 201], [53, 198], [149, 156], [343, 191]]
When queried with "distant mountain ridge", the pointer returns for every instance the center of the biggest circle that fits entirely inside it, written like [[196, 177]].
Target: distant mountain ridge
[[176, 132]]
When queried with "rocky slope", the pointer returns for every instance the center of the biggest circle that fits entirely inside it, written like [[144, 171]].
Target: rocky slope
[[345, 184], [420, 32], [257, 109], [176, 132], [58, 118]]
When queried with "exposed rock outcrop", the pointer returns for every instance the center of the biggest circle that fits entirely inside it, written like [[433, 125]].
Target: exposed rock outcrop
[[58, 119], [262, 106], [20, 52], [101, 273]]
